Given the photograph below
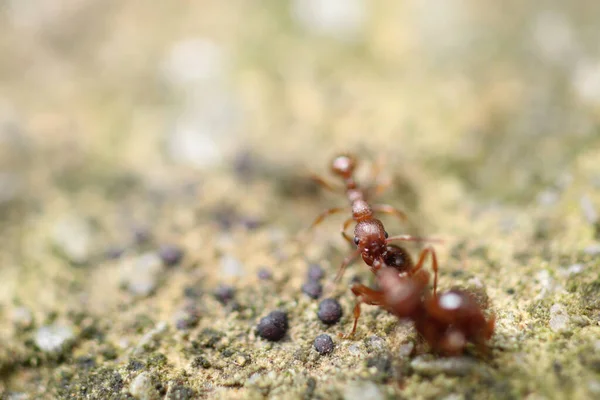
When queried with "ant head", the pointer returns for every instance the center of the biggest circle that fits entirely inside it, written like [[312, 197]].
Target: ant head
[[402, 293], [343, 165], [370, 238]]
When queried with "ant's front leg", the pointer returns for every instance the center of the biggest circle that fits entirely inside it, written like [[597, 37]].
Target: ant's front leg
[[326, 214], [365, 295], [434, 265], [343, 231]]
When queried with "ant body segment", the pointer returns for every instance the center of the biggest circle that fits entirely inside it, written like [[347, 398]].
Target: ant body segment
[[447, 321], [370, 237]]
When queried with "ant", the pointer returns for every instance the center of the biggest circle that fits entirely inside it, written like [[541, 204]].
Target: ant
[[370, 237], [447, 321]]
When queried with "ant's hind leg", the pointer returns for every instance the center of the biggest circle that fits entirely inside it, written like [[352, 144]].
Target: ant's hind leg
[[434, 265], [387, 209], [323, 183]]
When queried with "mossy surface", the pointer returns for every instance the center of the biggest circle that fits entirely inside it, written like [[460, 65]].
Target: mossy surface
[[490, 141]]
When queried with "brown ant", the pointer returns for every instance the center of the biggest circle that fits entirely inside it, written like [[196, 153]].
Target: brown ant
[[447, 321], [370, 237]]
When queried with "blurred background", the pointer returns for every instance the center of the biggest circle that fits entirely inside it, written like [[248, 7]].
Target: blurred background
[[121, 101]]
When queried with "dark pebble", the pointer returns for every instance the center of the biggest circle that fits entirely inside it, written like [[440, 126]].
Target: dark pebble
[[313, 289], [200, 362], [187, 318], [141, 235], [224, 293], [274, 326], [192, 292], [264, 274], [330, 311], [170, 255], [315, 272], [114, 252], [251, 223], [323, 344]]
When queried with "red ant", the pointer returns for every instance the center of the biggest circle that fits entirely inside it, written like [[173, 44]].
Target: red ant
[[446, 321], [370, 236]]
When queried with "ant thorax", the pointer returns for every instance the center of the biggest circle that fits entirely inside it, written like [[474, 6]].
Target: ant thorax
[[361, 210]]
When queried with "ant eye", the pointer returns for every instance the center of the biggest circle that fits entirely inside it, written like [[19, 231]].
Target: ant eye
[[386, 235], [356, 240]]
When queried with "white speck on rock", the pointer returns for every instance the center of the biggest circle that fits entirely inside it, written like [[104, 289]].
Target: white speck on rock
[[586, 82], [140, 276], [71, 235], [22, 317], [143, 387], [559, 318], [340, 19], [362, 391], [150, 337], [553, 37], [231, 266], [53, 338], [194, 61]]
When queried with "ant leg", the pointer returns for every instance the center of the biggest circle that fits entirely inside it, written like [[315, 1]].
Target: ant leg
[[434, 266], [379, 187], [387, 209], [408, 238], [347, 261], [324, 183], [365, 295], [326, 214], [344, 228]]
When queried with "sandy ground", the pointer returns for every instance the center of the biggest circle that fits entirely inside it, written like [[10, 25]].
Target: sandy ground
[[152, 156]]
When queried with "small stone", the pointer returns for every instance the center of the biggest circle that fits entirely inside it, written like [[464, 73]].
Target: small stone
[[192, 292], [264, 274], [323, 344], [53, 338], [170, 255], [231, 266], [559, 318], [147, 341], [454, 366], [330, 311], [71, 236], [144, 388], [187, 318], [362, 391], [224, 293], [592, 250], [274, 326], [376, 344], [180, 392], [200, 362], [141, 235], [315, 272], [312, 289], [22, 317], [114, 252], [140, 276]]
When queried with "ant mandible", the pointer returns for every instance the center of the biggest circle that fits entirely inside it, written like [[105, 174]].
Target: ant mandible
[[447, 321], [370, 237]]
